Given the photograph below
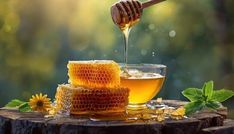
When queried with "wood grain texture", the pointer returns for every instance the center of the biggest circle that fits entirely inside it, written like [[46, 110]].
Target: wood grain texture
[[14, 122]]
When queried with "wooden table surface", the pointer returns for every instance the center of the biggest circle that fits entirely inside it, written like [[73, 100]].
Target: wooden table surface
[[14, 122]]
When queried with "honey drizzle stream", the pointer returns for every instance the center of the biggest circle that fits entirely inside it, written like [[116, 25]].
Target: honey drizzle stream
[[129, 17], [126, 32]]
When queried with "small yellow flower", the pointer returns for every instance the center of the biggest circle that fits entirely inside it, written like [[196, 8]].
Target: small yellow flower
[[40, 103]]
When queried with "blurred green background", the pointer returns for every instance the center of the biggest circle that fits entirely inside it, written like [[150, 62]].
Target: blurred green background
[[194, 38]]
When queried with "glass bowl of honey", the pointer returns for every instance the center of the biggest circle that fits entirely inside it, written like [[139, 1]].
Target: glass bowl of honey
[[144, 82]]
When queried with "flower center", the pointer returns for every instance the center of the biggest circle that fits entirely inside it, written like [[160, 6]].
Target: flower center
[[39, 103]]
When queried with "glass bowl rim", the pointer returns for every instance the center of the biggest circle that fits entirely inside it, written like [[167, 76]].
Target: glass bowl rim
[[146, 65]]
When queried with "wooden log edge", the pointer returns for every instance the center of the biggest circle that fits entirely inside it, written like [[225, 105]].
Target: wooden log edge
[[14, 122]]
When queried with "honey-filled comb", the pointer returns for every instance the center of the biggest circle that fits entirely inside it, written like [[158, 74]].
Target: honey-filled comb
[[99, 100], [96, 73], [83, 100]]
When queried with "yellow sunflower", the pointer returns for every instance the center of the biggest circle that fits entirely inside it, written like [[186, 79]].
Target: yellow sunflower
[[40, 103]]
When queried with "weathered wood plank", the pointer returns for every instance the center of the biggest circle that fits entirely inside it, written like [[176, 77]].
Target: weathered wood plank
[[14, 122], [227, 128]]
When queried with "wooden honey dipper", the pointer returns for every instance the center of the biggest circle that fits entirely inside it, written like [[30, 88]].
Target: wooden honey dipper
[[126, 13]]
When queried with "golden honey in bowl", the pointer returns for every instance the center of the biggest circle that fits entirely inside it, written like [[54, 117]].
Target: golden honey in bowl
[[144, 81], [142, 89]]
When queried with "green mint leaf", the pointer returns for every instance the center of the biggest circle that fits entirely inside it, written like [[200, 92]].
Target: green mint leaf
[[193, 94], [222, 95], [205, 97], [14, 103], [192, 107], [213, 104], [25, 107], [208, 90]]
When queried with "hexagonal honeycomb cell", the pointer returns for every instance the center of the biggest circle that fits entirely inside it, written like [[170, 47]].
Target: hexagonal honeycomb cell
[[63, 98], [96, 73]]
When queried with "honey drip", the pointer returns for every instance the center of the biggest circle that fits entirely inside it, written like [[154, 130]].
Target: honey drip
[[125, 14], [126, 35], [126, 28]]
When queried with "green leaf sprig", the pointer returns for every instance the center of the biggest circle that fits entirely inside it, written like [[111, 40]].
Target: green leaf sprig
[[206, 97], [18, 104]]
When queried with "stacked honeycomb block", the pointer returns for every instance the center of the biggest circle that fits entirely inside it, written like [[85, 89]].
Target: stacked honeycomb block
[[94, 89], [97, 73], [63, 98], [85, 100]]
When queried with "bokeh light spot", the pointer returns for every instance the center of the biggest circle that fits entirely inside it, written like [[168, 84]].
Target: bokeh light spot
[[151, 26], [172, 33], [143, 52]]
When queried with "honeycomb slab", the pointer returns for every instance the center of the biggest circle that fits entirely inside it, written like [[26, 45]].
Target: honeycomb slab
[[96, 73], [83, 100]]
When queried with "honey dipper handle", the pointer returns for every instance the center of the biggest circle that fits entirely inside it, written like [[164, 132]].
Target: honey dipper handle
[[150, 3]]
